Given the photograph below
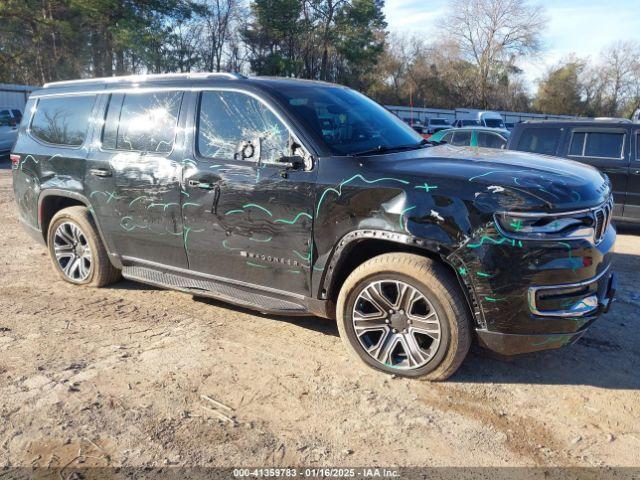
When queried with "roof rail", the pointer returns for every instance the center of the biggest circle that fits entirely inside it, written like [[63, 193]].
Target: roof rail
[[146, 77]]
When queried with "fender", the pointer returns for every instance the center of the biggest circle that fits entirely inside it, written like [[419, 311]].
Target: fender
[[56, 192], [428, 247]]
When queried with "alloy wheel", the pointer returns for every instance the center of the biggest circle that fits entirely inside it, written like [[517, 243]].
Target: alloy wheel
[[396, 324], [72, 252]]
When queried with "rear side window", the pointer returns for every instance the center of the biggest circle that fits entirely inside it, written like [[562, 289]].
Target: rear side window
[[461, 139], [606, 145], [227, 120], [447, 137], [144, 122], [17, 114], [490, 140], [540, 140], [62, 120], [597, 144]]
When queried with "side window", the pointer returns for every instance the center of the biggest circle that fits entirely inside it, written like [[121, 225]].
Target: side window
[[447, 137], [490, 140], [144, 122], [17, 114], [604, 145], [638, 146], [62, 120], [540, 140], [577, 144], [229, 121], [5, 118], [461, 139]]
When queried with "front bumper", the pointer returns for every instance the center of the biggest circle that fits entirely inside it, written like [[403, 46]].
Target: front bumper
[[515, 344]]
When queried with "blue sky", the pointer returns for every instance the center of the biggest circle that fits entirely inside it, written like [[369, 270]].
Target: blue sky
[[582, 27]]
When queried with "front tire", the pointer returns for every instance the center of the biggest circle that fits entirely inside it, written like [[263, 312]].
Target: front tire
[[76, 250], [405, 314]]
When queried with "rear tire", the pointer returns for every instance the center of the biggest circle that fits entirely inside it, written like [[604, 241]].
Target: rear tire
[[76, 249], [405, 314]]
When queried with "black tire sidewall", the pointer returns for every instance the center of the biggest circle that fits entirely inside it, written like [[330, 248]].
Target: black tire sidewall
[[443, 317], [87, 231]]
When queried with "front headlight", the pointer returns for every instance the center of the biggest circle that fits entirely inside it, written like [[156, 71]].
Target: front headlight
[[543, 226]]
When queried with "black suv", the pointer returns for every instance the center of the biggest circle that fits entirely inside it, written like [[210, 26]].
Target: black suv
[[301, 197], [611, 145]]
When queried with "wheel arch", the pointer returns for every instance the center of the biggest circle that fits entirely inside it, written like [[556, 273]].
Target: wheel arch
[[358, 246], [51, 201]]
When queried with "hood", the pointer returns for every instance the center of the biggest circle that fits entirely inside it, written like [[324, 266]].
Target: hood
[[516, 180]]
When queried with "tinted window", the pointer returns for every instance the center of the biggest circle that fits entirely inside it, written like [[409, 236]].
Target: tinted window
[[447, 137], [540, 140], [462, 139], [493, 123], [490, 140], [601, 144], [5, 118], [142, 121], [438, 121], [638, 146], [577, 144], [63, 120], [228, 120], [344, 120], [17, 114], [470, 123]]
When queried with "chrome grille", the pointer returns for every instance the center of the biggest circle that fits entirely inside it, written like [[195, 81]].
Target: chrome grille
[[602, 219]]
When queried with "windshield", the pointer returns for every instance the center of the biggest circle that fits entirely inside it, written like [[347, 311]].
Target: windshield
[[493, 123], [346, 121], [470, 123], [438, 121]]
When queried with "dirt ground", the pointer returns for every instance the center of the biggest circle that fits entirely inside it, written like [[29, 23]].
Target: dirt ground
[[119, 376]]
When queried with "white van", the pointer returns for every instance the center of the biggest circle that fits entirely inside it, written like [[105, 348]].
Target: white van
[[484, 118]]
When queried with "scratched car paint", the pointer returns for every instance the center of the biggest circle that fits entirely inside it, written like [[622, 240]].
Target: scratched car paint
[[258, 225]]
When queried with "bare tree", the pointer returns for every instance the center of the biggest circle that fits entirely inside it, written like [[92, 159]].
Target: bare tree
[[491, 33], [219, 18], [619, 68]]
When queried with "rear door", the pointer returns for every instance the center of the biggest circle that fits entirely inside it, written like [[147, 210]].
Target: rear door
[[632, 205], [608, 150], [133, 177]]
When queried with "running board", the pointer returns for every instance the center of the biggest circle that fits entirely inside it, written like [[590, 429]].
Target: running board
[[227, 292]]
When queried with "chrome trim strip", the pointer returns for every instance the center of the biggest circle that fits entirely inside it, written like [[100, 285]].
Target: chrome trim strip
[[144, 78], [531, 295]]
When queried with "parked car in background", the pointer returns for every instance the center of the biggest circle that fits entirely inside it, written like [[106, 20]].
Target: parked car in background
[[9, 120], [473, 137], [465, 123], [434, 125], [299, 197], [611, 145]]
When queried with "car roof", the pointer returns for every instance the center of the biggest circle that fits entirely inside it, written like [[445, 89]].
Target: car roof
[[600, 122], [477, 129], [173, 80]]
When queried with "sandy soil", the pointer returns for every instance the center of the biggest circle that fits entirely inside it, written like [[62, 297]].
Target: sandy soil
[[119, 376]]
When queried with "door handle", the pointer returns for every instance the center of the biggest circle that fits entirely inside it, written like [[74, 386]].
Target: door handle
[[100, 172], [201, 185]]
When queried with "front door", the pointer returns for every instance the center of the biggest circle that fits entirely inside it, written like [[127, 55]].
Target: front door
[[133, 180], [247, 217], [607, 149]]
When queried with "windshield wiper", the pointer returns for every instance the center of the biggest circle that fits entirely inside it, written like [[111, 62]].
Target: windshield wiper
[[387, 149]]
